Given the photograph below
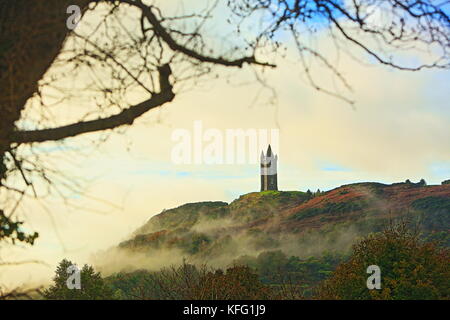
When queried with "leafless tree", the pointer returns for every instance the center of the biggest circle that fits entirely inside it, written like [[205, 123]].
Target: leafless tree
[[383, 31], [121, 48], [131, 46]]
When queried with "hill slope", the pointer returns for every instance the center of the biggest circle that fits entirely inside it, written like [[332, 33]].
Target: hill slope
[[295, 222]]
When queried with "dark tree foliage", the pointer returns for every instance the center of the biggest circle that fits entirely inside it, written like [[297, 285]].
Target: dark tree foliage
[[10, 230], [422, 182], [93, 287]]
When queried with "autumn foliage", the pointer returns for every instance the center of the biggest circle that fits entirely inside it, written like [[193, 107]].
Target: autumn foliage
[[410, 269]]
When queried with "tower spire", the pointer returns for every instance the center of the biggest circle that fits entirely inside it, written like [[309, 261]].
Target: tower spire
[[269, 151], [269, 170]]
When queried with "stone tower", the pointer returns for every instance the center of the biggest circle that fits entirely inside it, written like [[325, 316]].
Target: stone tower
[[269, 170]]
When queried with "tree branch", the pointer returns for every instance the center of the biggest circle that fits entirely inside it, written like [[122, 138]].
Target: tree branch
[[126, 117], [163, 34]]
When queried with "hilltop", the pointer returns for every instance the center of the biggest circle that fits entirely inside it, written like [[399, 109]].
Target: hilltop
[[297, 223]]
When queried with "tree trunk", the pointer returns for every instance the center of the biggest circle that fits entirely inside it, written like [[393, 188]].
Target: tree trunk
[[32, 33]]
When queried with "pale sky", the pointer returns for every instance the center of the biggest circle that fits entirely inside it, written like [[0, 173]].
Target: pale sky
[[398, 130]]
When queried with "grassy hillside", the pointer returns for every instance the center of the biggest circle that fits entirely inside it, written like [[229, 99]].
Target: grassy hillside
[[295, 222]]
